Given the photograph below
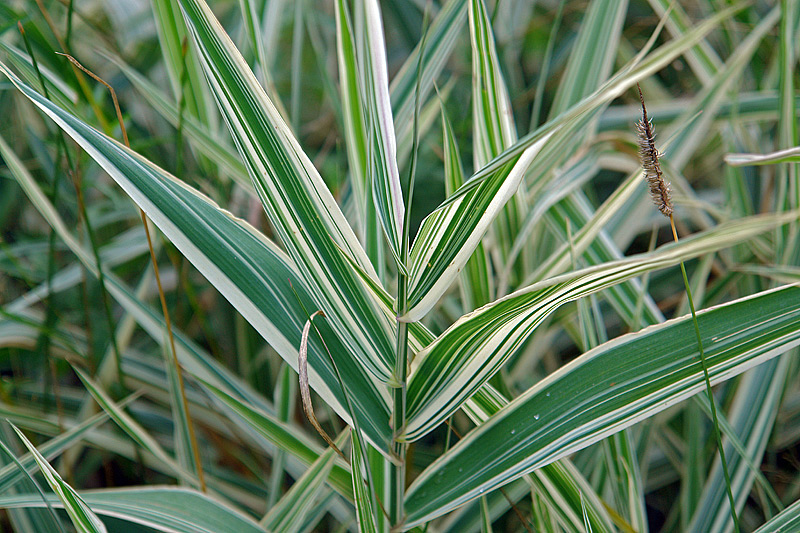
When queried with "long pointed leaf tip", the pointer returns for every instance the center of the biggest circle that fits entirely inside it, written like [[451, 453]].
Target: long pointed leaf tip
[[659, 189]]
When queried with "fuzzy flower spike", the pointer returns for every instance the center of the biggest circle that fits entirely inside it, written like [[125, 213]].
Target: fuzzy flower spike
[[659, 189]]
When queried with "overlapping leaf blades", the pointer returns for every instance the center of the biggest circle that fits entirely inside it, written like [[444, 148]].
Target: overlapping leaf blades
[[298, 203], [604, 391], [258, 279], [449, 235], [458, 362]]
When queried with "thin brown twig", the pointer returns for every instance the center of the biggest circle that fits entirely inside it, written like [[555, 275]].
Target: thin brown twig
[[162, 298]]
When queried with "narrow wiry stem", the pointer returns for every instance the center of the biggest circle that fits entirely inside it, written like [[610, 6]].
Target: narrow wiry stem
[[708, 387], [198, 464], [660, 192]]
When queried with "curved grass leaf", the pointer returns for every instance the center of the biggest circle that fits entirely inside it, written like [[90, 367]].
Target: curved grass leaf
[[751, 416], [185, 75], [168, 509], [363, 501], [787, 520], [248, 269], [605, 390], [10, 473], [193, 359], [356, 136], [565, 492], [133, 429], [458, 362], [449, 235], [281, 434], [441, 38], [790, 155], [592, 56], [635, 71], [288, 514], [476, 282], [198, 135], [492, 121], [386, 191], [84, 520]]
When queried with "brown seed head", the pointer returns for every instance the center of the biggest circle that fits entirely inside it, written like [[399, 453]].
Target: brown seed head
[[659, 188]]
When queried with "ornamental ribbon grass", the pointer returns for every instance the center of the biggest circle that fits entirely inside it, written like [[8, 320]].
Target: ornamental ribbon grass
[[423, 225]]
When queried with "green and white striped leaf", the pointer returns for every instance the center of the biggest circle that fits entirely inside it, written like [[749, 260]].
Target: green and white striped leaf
[[198, 135], [492, 120], [185, 75], [167, 509], [752, 416], [605, 390], [10, 473], [362, 497], [566, 493], [477, 285], [566, 488], [441, 38], [84, 520], [451, 369], [58, 90], [592, 56], [356, 136], [640, 67], [289, 513], [282, 435], [299, 205], [787, 520], [133, 429], [790, 155], [702, 58], [248, 269], [448, 236], [386, 191], [192, 358]]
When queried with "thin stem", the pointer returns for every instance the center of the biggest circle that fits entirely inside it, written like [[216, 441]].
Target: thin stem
[[398, 472], [167, 323], [708, 385]]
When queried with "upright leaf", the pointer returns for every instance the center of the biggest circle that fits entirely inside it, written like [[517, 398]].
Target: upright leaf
[[386, 190], [257, 278], [298, 203]]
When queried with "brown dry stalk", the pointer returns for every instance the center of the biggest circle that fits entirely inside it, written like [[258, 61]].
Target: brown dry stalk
[[190, 427], [659, 188]]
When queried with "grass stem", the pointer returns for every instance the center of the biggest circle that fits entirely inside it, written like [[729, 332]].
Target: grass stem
[[708, 386]]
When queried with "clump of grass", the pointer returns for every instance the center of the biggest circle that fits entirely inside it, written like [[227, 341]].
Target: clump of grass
[[661, 194]]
